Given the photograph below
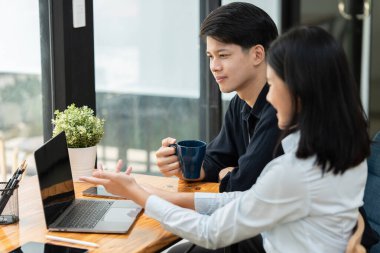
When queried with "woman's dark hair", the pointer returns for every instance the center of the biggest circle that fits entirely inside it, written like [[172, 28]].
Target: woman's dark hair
[[242, 24], [331, 119]]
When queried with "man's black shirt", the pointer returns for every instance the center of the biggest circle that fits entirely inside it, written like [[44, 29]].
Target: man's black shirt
[[246, 142]]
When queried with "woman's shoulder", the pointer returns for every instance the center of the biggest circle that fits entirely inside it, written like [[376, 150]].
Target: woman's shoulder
[[288, 165], [283, 178]]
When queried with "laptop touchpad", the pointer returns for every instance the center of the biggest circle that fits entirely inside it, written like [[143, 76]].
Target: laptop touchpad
[[118, 215]]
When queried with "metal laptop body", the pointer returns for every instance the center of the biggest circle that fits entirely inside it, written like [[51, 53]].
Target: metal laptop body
[[58, 196]]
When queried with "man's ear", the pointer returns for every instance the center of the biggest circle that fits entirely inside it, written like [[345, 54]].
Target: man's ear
[[257, 53]]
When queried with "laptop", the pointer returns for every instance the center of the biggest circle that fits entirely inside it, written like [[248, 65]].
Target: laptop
[[64, 212]]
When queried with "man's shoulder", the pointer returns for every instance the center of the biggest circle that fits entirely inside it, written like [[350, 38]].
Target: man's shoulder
[[268, 115], [236, 107], [236, 101], [268, 111]]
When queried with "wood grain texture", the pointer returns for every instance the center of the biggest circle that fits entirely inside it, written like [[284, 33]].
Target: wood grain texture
[[146, 235]]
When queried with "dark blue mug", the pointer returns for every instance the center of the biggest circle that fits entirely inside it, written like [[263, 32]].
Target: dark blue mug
[[190, 155]]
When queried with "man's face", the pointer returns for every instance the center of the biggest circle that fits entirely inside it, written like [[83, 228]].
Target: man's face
[[231, 66]]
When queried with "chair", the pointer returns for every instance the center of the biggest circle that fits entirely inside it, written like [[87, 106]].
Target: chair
[[372, 189], [354, 243]]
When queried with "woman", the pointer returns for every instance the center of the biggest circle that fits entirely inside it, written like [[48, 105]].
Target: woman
[[304, 201]]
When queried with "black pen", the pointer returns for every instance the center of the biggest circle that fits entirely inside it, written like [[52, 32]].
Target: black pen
[[19, 171], [10, 181], [18, 177], [16, 181]]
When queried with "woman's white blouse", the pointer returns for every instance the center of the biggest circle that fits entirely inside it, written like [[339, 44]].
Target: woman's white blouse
[[293, 206]]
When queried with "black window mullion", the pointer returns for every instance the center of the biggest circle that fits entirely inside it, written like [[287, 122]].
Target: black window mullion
[[290, 14], [210, 96], [67, 59]]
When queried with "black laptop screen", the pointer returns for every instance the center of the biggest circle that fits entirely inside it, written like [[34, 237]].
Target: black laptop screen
[[54, 175]]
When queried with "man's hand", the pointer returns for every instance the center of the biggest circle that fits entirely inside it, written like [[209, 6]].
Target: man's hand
[[167, 161], [224, 172]]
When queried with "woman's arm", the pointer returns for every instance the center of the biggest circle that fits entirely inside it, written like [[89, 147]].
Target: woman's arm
[[123, 184], [259, 209], [267, 204], [182, 199]]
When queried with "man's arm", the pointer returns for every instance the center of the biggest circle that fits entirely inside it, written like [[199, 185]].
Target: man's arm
[[224, 172], [259, 153], [222, 151]]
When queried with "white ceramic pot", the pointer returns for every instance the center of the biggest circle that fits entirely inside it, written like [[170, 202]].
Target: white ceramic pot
[[82, 161]]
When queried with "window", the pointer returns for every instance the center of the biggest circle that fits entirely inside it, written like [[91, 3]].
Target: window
[[20, 83], [147, 77]]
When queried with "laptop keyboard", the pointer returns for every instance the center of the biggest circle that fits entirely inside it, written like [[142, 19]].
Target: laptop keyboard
[[85, 214]]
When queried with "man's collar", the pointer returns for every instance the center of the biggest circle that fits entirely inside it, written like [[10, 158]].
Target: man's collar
[[258, 106]]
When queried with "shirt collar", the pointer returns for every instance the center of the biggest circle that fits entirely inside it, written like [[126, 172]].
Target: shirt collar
[[257, 109], [290, 142]]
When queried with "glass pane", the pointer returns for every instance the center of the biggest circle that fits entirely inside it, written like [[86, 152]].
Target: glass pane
[[147, 77], [20, 84]]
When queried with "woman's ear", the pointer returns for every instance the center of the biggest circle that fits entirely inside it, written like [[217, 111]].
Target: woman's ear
[[257, 53]]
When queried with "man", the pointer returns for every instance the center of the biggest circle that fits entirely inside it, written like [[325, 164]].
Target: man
[[237, 36]]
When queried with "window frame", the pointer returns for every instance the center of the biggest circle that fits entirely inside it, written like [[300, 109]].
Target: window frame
[[67, 59]]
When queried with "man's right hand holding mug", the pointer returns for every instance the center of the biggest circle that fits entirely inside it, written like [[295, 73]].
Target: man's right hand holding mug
[[168, 162]]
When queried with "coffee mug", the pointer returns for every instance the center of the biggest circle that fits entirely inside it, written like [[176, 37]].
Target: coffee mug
[[190, 155]]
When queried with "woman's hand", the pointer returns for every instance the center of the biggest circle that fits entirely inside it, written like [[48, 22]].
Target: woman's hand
[[119, 183]]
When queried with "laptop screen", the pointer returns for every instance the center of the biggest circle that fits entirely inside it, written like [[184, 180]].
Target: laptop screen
[[55, 179]]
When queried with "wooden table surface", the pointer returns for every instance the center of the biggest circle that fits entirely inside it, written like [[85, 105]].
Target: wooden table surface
[[146, 235]]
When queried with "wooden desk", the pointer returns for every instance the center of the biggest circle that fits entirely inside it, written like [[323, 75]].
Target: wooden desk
[[146, 235]]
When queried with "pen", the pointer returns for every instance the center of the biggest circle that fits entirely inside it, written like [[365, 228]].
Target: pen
[[15, 183], [19, 171], [64, 239]]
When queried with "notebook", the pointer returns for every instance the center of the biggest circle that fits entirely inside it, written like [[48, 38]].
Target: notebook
[[64, 212]]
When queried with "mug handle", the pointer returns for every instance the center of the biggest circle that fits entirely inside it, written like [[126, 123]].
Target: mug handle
[[175, 146]]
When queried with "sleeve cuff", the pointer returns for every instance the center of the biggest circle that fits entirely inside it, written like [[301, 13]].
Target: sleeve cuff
[[156, 207], [205, 202]]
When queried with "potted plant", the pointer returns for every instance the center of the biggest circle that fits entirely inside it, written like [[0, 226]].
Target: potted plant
[[83, 132]]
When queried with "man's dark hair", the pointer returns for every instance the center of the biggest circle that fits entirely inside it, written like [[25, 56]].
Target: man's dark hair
[[242, 24], [331, 119]]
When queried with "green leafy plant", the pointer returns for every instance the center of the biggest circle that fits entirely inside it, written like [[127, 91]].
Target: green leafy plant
[[81, 127]]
